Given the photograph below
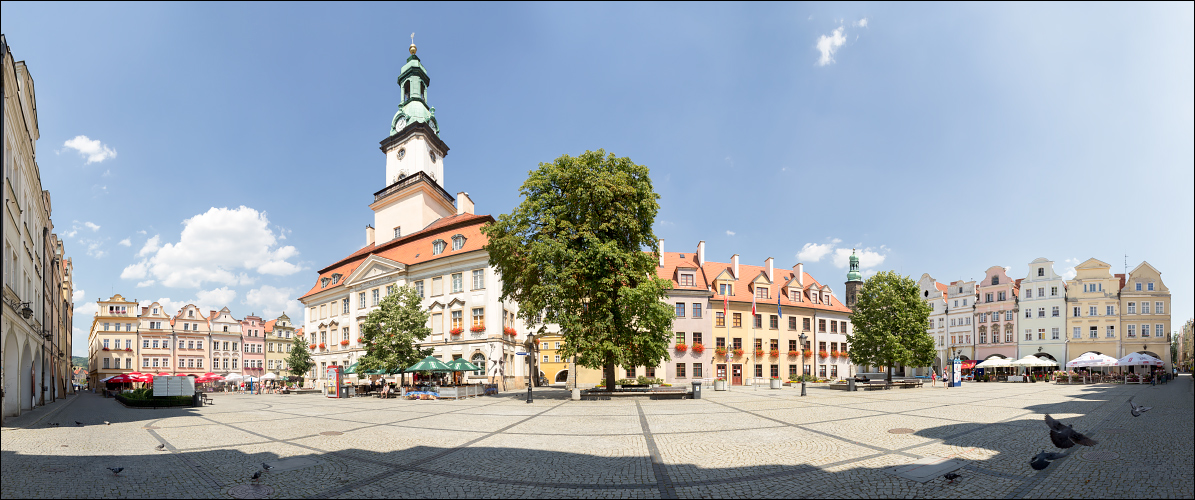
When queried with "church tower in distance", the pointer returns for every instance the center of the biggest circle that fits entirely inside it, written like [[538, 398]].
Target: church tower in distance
[[854, 282]]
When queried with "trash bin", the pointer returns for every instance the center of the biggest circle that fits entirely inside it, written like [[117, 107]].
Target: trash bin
[[197, 400], [696, 390], [850, 385], [344, 392]]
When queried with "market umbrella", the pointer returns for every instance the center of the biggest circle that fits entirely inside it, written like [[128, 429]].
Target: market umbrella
[[269, 376], [994, 362], [1092, 359], [109, 378], [462, 365], [120, 379], [233, 376], [1032, 360], [428, 364], [351, 370], [1138, 358]]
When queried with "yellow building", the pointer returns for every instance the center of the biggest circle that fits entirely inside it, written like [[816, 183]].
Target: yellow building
[[1145, 314], [279, 336], [1093, 310], [112, 341]]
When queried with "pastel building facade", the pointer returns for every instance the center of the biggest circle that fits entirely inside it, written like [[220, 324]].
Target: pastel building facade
[[1043, 313], [1145, 314], [691, 356], [112, 339], [253, 346], [225, 331], [158, 346], [192, 341], [996, 315], [279, 336], [934, 294], [960, 313], [1093, 316]]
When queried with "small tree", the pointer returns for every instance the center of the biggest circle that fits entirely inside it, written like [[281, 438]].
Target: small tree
[[300, 359], [579, 252], [890, 324], [392, 331]]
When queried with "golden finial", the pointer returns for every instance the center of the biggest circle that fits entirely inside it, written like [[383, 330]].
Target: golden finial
[[412, 44]]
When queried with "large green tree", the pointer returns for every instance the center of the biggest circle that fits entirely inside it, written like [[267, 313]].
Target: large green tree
[[392, 332], [299, 360], [889, 324], [579, 252]]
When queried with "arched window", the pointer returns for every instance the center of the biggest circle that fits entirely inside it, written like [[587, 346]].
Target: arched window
[[479, 361], [438, 247], [406, 91]]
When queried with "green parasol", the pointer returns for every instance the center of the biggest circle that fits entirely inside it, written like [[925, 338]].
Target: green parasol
[[461, 365], [351, 369], [429, 364]]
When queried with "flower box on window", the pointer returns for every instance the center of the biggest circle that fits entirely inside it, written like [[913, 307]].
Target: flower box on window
[[509, 331], [313, 346], [738, 352], [344, 342], [682, 347], [721, 351], [360, 340], [456, 331], [792, 354], [129, 349], [775, 353], [759, 353], [844, 355], [477, 328], [698, 348], [823, 354], [834, 354], [807, 352], [105, 348], [323, 345]]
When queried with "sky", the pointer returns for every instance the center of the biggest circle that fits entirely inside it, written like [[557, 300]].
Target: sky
[[221, 154]]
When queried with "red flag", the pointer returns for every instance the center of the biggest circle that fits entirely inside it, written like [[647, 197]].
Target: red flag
[[753, 306]]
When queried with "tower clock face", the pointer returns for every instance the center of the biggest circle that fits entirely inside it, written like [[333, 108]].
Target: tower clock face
[[402, 122], [402, 153], [433, 155]]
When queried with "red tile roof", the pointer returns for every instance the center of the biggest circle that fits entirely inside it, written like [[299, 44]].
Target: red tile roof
[[414, 248], [269, 326], [673, 262], [747, 274]]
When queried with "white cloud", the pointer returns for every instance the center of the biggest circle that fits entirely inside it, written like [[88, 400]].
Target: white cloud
[[125, 243], [828, 45], [151, 245], [70, 234], [1069, 273], [107, 173], [172, 307], [141, 232], [813, 252], [729, 233], [215, 299], [868, 258], [222, 246], [87, 308], [92, 226], [92, 149], [273, 301], [94, 247], [143, 284], [862, 23]]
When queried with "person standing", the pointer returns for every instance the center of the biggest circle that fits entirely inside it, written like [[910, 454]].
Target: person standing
[[933, 377]]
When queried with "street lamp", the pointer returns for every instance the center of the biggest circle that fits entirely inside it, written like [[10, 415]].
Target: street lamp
[[802, 337]]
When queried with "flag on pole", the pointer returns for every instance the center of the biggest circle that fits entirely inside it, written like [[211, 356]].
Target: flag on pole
[[753, 294]]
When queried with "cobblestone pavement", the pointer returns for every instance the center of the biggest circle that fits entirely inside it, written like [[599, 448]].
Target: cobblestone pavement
[[746, 442]]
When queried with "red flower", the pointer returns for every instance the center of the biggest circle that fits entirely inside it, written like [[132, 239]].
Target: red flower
[[313, 346], [822, 353], [807, 352], [794, 353], [834, 354], [681, 347], [845, 354], [477, 328], [455, 331], [360, 340], [759, 353], [344, 342], [721, 351], [738, 352], [698, 348], [775, 353], [509, 331], [323, 345]]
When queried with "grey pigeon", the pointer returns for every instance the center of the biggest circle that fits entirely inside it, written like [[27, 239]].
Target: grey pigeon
[[160, 447], [1042, 460], [115, 470], [266, 467], [256, 476], [107, 423], [1065, 436], [1138, 410], [951, 476]]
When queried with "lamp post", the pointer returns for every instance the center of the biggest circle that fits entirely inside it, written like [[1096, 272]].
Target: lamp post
[[802, 337]]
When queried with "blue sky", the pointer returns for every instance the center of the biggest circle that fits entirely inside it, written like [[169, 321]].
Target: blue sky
[[935, 138]]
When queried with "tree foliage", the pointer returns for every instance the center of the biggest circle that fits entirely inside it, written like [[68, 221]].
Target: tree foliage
[[299, 360], [573, 254], [392, 331], [890, 324]]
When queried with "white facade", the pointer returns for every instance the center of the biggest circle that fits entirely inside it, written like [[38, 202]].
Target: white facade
[[934, 295], [225, 342], [1043, 312], [960, 318]]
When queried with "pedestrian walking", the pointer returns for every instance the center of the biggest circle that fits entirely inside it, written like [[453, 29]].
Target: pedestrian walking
[[933, 377]]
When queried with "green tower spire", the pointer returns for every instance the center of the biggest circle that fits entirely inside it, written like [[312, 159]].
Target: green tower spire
[[854, 274], [413, 81]]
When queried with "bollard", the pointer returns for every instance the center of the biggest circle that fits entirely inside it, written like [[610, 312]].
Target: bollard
[[529, 393]]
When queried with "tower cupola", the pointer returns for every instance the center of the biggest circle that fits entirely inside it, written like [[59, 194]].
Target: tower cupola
[[854, 274]]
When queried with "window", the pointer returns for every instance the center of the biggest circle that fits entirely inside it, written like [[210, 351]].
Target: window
[[457, 319], [374, 296], [478, 279], [1041, 271], [738, 343], [1028, 313], [821, 371], [988, 297], [738, 320], [758, 320], [1145, 330], [344, 335], [697, 372], [1041, 312], [1002, 296], [725, 289], [1093, 332], [1158, 308], [1053, 291], [545, 358], [631, 373], [983, 335], [1110, 311], [792, 323], [805, 322], [419, 288], [687, 279], [1077, 333], [775, 371], [696, 310], [437, 286], [479, 316], [1054, 334], [680, 309], [1111, 332], [106, 362], [964, 302], [438, 247], [458, 282], [1041, 292], [145, 344], [1132, 331], [696, 337], [1158, 331], [1132, 307], [774, 322], [145, 362], [719, 318], [1028, 293], [821, 325], [720, 343], [1041, 334], [1054, 312], [1144, 307], [1150, 286], [761, 292], [458, 242], [344, 306], [1076, 311], [680, 370], [758, 371]]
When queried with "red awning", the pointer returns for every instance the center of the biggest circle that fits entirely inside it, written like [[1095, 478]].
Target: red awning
[[968, 364]]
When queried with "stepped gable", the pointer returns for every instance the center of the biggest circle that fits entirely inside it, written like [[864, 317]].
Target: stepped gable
[[415, 248]]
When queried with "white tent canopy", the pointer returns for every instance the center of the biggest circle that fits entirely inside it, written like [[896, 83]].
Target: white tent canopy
[[1138, 358], [994, 362], [1032, 360], [233, 376], [1092, 359], [269, 376]]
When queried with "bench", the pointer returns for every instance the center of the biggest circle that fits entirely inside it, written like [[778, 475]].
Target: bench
[[910, 384], [206, 399]]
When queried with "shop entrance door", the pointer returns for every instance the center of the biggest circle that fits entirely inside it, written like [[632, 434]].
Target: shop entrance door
[[737, 371]]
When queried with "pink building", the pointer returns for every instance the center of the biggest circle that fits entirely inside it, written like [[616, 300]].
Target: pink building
[[996, 316], [253, 339]]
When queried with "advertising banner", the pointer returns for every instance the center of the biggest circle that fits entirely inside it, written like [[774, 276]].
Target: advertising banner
[[333, 388], [956, 373]]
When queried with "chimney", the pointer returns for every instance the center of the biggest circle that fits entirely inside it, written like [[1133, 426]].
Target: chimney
[[768, 263], [464, 204], [734, 265], [661, 252], [701, 253], [799, 269], [368, 235]]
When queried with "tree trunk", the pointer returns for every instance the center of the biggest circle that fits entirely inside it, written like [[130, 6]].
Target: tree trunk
[[608, 371], [888, 377]]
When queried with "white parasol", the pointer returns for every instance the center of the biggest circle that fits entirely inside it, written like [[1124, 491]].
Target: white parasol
[[1032, 361], [1092, 359], [994, 362], [1138, 358], [232, 377], [269, 376]]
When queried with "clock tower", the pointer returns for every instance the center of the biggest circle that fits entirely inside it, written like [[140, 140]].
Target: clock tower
[[414, 195], [854, 282]]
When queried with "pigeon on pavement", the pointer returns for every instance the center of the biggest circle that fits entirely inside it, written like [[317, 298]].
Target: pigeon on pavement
[[266, 467], [160, 447], [115, 470], [78, 423], [256, 476], [1065, 436], [951, 476], [1042, 460], [107, 423], [1138, 410]]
